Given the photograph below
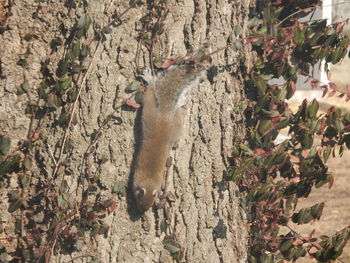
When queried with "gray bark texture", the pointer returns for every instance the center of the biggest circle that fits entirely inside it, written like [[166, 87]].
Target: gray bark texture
[[205, 218]]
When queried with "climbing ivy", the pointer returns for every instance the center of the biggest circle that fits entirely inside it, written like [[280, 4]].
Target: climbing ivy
[[272, 175]]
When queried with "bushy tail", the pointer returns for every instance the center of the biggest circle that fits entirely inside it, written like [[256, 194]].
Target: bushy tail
[[150, 112]]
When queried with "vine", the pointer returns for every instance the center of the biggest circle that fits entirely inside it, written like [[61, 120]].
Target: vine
[[274, 176], [49, 217]]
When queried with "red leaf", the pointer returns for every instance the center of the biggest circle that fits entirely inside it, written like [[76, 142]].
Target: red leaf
[[339, 27], [251, 39], [36, 136], [331, 94], [311, 234], [325, 91], [293, 87], [330, 183], [323, 125], [348, 89], [294, 159], [132, 103], [325, 139], [314, 83], [168, 63], [112, 207], [288, 37], [307, 80], [313, 250], [332, 85], [209, 59], [305, 153], [261, 152], [298, 242]]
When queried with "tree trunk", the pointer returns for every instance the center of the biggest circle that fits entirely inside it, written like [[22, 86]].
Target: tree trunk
[[205, 219]]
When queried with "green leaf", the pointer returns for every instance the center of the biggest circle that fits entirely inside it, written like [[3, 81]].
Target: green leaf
[[133, 86], [62, 67], [237, 30], [245, 149], [264, 126], [14, 195], [316, 210], [5, 144], [42, 93], [315, 38], [235, 151], [314, 125], [84, 52], [22, 62], [313, 108], [299, 36], [24, 88], [72, 95], [83, 26], [53, 100], [120, 188], [10, 165], [27, 162], [171, 245], [282, 95], [139, 97], [56, 42], [326, 153], [307, 140], [254, 22], [286, 245], [25, 180], [76, 49], [14, 205], [336, 55], [339, 126], [261, 85], [64, 83]]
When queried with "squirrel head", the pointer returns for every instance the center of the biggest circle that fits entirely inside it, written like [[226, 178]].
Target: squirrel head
[[144, 197]]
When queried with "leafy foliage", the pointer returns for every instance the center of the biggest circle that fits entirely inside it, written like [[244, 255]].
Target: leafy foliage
[[275, 176], [49, 216]]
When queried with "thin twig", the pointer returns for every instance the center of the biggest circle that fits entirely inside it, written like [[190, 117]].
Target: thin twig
[[340, 260], [118, 17], [82, 256], [295, 13], [73, 111], [51, 153], [104, 123], [308, 9], [302, 238], [79, 92]]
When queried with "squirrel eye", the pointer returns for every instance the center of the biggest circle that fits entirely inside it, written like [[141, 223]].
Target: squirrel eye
[[140, 192]]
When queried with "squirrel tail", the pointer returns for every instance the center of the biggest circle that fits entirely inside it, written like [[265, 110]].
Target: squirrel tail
[[150, 111]]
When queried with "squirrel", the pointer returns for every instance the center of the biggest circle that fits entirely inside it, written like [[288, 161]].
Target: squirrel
[[161, 122]]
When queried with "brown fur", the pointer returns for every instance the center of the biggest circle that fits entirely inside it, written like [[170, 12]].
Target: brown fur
[[161, 126]]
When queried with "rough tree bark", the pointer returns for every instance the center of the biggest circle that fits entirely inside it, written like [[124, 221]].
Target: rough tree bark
[[206, 216]]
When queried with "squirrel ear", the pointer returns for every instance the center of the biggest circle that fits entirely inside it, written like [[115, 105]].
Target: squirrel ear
[[155, 192]]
